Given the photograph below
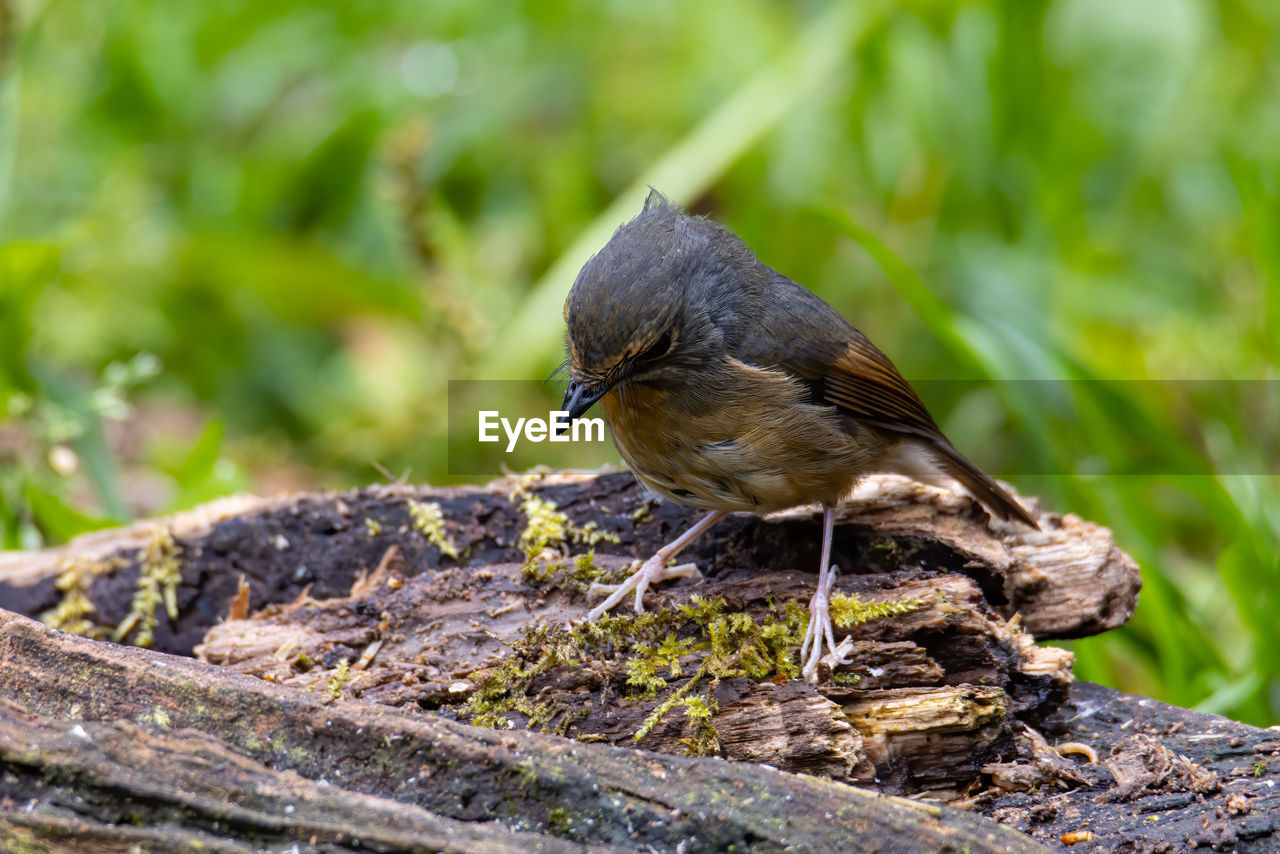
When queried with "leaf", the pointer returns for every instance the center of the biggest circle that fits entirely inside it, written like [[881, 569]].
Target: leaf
[[59, 521]]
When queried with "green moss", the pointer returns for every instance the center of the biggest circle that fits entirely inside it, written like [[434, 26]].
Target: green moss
[[849, 610], [642, 669], [644, 653], [341, 674], [539, 573], [695, 705], [546, 527], [373, 527], [158, 579], [577, 576], [506, 688], [728, 646], [428, 520], [643, 513], [157, 716], [682, 652], [558, 821], [73, 611], [585, 571], [590, 534]]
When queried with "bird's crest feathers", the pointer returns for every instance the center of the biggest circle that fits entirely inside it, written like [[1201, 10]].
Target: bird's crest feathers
[[655, 200]]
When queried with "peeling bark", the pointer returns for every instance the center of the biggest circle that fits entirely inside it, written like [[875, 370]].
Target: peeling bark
[[105, 747], [1067, 580], [424, 616], [378, 613]]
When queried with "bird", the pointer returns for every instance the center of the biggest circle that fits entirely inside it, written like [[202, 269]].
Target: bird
[[731, 388]]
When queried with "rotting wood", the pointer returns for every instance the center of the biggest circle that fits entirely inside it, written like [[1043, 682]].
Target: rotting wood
[[194, 753], [895, 534], [110, 786], [1187, 780], [1067, 580], [403, 622], [437, 642], [382, 753]]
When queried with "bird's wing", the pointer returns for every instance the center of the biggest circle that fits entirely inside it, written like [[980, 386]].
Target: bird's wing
[[800, 334], [856, 377], [795, 331]]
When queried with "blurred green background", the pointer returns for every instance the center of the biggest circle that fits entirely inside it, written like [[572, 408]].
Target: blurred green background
[[245, 245]]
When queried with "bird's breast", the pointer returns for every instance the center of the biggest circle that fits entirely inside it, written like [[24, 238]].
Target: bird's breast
[[746, 439]]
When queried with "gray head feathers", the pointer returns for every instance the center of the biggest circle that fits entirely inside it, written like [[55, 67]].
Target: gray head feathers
[[663, 270]]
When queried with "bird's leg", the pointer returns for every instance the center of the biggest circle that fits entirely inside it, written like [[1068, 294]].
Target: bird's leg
[[819, 618], [653, 570]]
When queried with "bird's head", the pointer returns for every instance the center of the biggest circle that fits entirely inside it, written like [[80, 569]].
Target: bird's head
[[655, 305]]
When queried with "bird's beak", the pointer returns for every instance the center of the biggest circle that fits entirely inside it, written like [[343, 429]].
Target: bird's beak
[[578, 398]]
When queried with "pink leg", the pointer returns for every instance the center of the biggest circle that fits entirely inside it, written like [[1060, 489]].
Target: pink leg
[[819, 618], [653, 570]]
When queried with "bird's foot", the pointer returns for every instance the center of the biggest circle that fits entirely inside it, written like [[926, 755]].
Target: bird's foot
[[820, 630], [652, 571]]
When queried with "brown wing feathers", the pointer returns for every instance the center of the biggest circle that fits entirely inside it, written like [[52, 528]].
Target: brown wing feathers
[[861, 380]]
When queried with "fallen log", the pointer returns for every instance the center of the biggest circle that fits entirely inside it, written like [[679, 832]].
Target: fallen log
[[470, 585], [105, 747], [1167, 779], [938, 688], [1067, 580], [448, 606]]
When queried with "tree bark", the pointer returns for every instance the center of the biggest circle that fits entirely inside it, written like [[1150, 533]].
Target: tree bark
[[105, 747], [1067, 580], [414, 611]]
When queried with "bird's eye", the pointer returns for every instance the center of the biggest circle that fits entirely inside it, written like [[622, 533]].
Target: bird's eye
[[657, 348]]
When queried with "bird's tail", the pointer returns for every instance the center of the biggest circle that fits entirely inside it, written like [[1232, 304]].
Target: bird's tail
[[925, 460], [981, 485]]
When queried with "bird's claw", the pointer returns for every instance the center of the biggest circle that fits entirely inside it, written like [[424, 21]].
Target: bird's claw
[[818, 630], [839, 654], [652, 571]]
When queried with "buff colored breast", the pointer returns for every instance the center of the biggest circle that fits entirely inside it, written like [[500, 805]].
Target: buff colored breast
[[761, 448]]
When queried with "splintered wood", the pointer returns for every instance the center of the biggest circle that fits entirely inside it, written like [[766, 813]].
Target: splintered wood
[[468, 603], [193, 757], [931, 694], [380, 623]]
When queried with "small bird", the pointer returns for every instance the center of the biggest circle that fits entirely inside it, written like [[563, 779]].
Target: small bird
[[729, 387]]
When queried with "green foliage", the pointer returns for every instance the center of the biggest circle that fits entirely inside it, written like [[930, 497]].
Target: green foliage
[[314, 216]]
